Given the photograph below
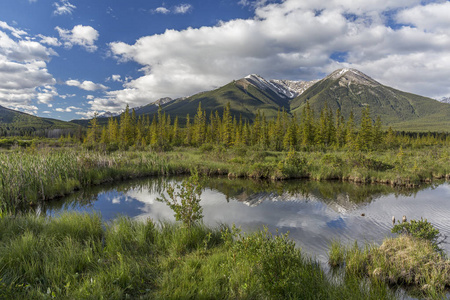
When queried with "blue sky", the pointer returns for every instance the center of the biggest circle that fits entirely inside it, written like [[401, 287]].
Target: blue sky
[[67, 59]]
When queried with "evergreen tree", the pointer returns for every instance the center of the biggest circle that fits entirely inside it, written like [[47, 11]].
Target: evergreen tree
[[93, 133], [365, 138], [227, 126]]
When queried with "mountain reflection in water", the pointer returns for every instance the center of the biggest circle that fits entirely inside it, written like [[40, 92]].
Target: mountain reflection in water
[[313, 212]]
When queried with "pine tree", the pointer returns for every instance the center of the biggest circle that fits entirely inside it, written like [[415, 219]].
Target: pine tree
[[188, 135], [126, 128], [199, 130], [227, 126], [377, 133], [93, 133], [365, 138], [350, 129], [308, 128]]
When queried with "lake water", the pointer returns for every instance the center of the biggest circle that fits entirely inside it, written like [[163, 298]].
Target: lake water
[[314, 213]]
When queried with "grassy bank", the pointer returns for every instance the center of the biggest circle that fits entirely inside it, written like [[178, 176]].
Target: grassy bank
[[410, 260], [76, 256], [27, 176]]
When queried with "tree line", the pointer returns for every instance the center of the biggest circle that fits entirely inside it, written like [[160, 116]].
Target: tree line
[[285, 132]]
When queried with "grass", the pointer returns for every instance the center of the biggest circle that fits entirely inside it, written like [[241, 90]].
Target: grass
[[31, 175], [402, 261], [77, 256]]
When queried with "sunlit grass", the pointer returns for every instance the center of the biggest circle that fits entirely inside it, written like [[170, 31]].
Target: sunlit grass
[[27, 177], [77, 256]]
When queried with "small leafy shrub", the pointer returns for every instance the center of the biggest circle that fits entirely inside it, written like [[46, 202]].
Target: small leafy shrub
[[240, 151], [421, 229], [331, 159], [293, 165], [369, 163], [206, 148], [185, 202], [261, 170]]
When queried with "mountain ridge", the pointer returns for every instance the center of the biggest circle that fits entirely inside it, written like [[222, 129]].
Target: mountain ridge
[[348, 90]]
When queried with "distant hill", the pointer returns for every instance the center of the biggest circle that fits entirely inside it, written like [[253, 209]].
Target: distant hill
[[346, 89], [20, 123]]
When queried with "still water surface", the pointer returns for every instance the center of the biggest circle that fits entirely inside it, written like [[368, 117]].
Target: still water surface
[[314, 213]]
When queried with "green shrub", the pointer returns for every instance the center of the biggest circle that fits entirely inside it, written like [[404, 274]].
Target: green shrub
[[186, 202], [421, 229]]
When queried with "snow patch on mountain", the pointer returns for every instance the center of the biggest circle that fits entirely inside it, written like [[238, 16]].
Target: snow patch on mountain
[[444, 100], [348, 76], [283, 88]]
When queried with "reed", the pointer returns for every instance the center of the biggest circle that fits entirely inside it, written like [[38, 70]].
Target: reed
[[30, 176]]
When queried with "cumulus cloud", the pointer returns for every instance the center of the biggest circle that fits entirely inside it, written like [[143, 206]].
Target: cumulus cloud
[[294, 40], [432, 17], [51, 41], [23, 71], [86, 85], [63, 7], [23, 50], [14, 31], [84, 36]]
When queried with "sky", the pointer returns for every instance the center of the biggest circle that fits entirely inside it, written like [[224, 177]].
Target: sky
[[68, 59]]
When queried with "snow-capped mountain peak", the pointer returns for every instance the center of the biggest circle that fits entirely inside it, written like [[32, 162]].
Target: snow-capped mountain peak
[[283, 88], [348, 76]]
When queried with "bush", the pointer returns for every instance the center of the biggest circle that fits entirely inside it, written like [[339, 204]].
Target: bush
[[421, 229], [293, 165], [186, 202]]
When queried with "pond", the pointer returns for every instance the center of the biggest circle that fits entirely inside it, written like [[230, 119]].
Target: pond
[[314, 213]]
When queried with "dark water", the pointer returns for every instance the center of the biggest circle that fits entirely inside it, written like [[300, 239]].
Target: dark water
[[314, 213]]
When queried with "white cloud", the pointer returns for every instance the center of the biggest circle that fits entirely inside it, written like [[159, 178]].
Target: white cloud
[[178, 9], [84, 36], [432, 17], [90, 97], [15, 32], [67, 109], [23, 72], [23, 50], [115, 78], [86, 85], [182, 8], [51, 41], [86, 115], [46, 94], [64, 7], [162, 10], [294, 40]]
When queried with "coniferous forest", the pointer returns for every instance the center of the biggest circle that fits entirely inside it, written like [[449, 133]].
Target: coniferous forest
[[311, 131]]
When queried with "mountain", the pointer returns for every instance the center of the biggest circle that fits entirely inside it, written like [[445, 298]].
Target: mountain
[[346, 89], [445, 100], [16, 122], [246, 96], [351, 90]]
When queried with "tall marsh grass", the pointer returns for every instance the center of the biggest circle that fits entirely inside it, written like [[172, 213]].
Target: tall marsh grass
[[76, 256], [29, 176], [26, 178]]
